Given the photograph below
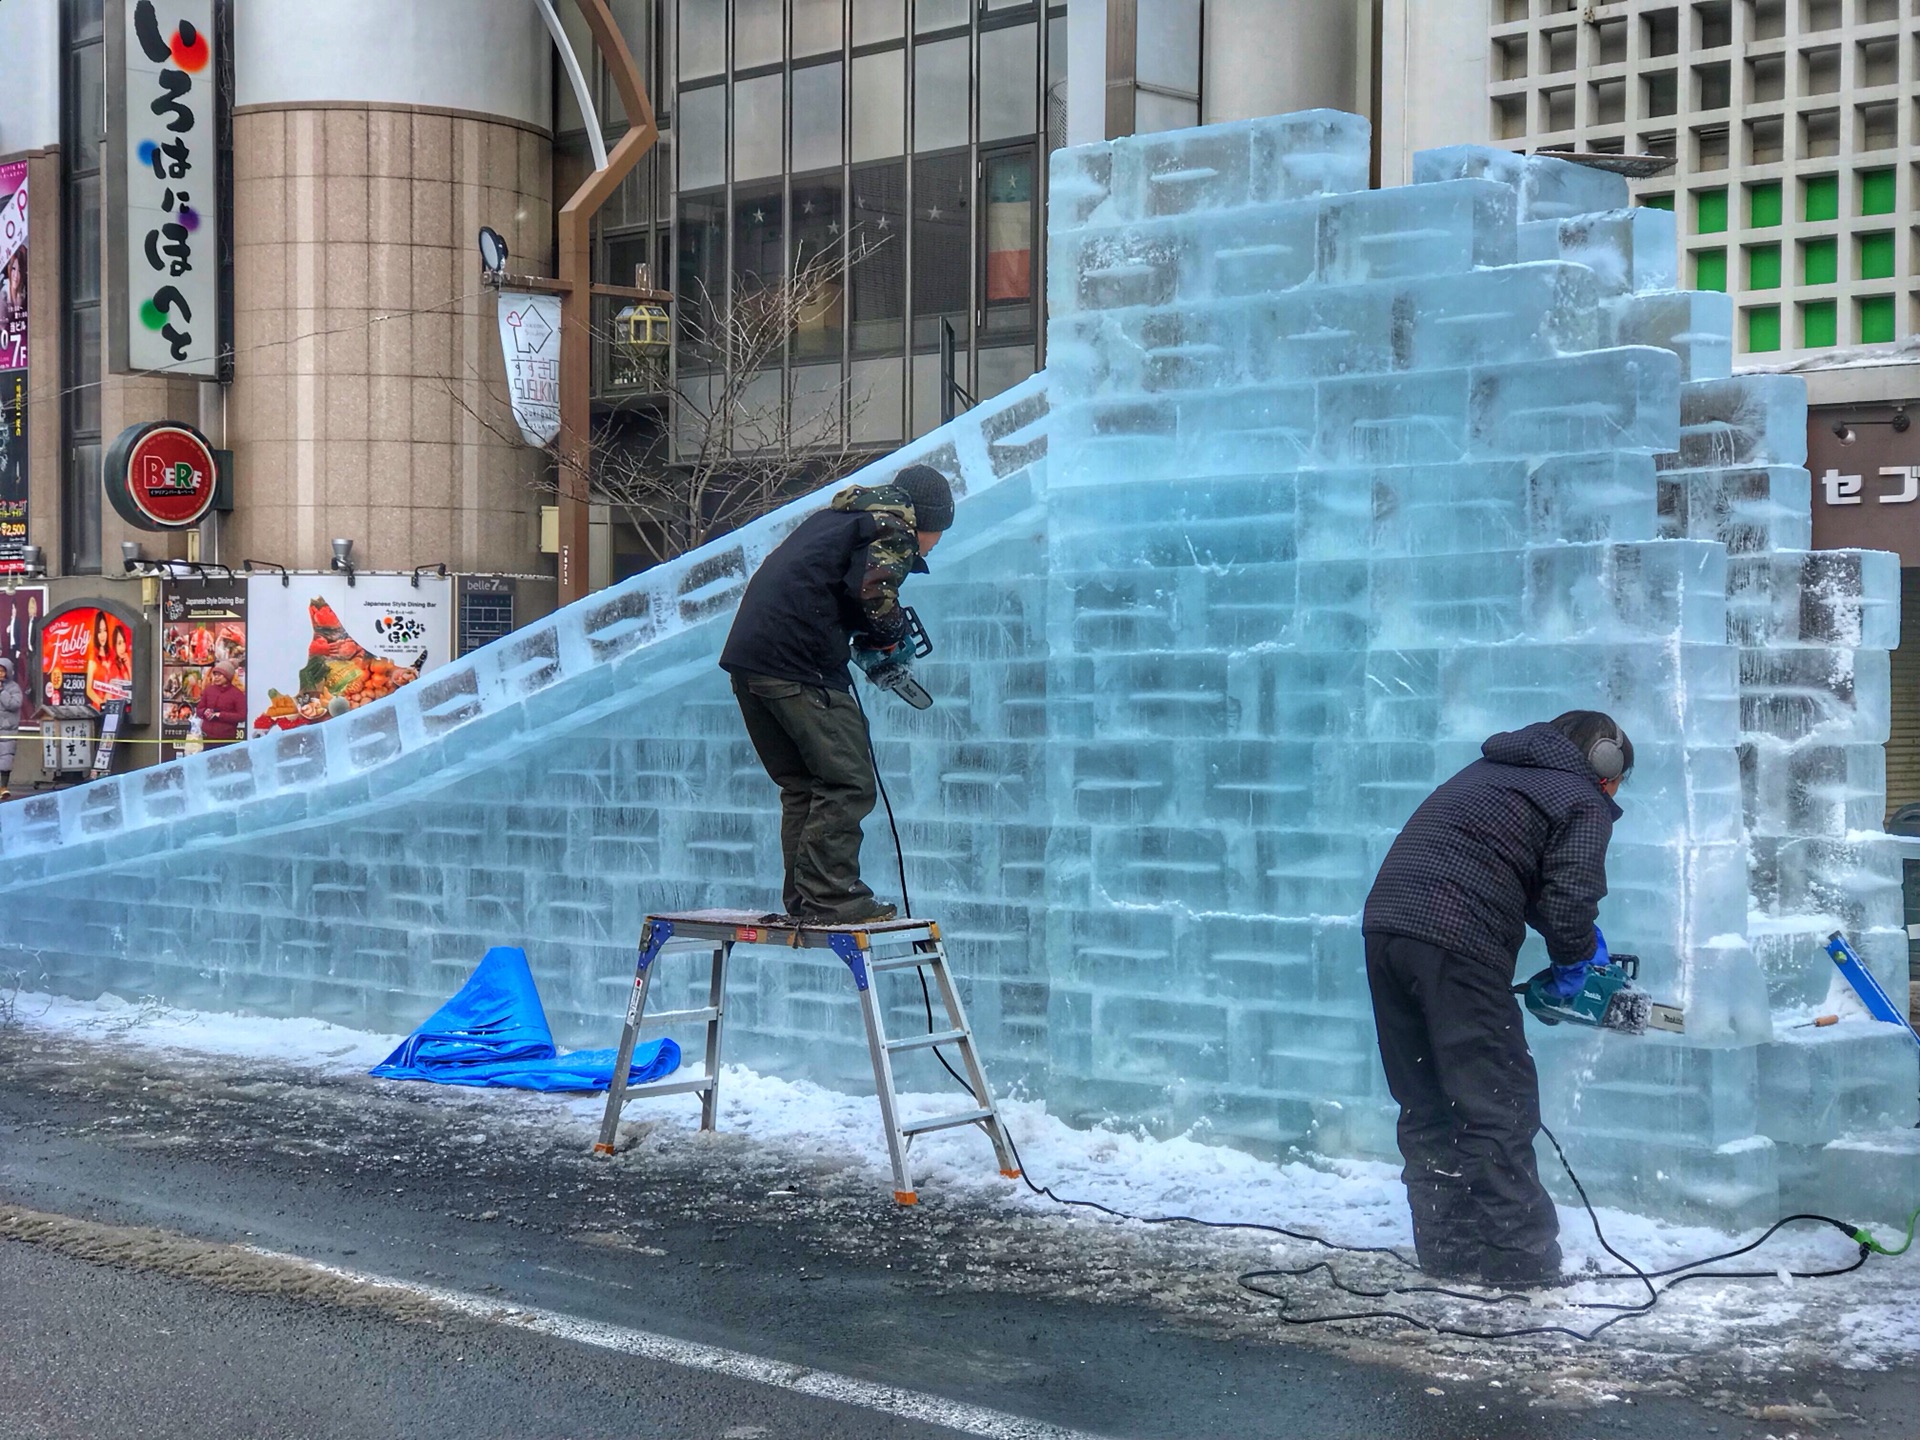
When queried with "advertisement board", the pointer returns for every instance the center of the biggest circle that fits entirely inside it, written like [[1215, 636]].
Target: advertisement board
[[161, 475], [202, 624], [1865, 463], [88, 657], [13, 365], [320, 646], [164, 182], [21, 611]]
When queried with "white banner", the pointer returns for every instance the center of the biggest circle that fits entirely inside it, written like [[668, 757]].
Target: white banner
[[320, 641], [170, 160], [530, 344]]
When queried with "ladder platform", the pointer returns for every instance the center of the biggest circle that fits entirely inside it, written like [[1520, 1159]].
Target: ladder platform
[[905, 943]]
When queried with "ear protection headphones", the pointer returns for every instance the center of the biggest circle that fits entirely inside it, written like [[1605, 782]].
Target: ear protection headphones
[[1607, 757]]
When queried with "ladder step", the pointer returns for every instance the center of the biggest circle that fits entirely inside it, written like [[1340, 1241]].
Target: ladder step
[[906, 962], [921, 1042], [675, 1017], [946, 1122], [671, 1087]]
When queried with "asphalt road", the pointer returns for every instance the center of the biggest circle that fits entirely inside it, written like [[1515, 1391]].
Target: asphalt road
[[692, 1238]]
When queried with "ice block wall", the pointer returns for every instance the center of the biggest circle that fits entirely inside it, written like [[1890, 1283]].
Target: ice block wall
[[1322, 486]]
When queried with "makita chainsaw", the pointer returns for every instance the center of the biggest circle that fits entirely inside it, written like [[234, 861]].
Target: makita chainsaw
[[897, 675], [1609, 1000]]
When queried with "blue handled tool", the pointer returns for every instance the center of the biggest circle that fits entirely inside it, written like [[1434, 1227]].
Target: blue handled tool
[[1879, 1004]]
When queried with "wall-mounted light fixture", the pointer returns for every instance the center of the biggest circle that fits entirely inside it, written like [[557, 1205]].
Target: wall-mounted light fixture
[[439, 568], [249, 566], [343, 559], [1848, 431], [132, 555]]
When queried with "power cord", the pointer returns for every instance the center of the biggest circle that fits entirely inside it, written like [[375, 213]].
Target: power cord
[[1249, 1280]]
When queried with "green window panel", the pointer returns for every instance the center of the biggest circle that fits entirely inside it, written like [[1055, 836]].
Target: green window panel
[[1763, 205], [1876, 320], [1763, 328], [1876, 256], [1819, 325], [1657, 202], [1763, 267], [1709, 212], [1876, 192], [1820, 197], [1710, 270], [1819, 261]]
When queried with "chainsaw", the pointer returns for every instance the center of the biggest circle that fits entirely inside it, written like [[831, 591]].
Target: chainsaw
[[1609, 1000], [897, 675]]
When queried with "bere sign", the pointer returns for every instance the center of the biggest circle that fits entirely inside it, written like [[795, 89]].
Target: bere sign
[[161, 476]]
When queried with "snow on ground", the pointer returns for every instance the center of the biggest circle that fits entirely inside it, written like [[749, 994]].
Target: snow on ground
[[1869, 1318]]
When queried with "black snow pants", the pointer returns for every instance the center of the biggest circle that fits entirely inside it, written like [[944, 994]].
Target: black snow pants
[[1457, 1061], [813, 742]]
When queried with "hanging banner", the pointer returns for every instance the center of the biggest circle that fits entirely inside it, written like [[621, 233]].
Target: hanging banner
[[163, 174], [20, 613], [320, 647], [13, 366], [530, 345], [204, 623], [87, 657]]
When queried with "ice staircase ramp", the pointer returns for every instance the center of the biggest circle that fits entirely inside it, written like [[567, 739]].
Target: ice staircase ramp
[[1323, 485]]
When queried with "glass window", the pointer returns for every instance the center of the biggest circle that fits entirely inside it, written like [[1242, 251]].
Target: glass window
[[938, 14], [700, 278], [816, 392], [877, 277], [703, 38], [1008, 59], [1154, 112], [83, 231], [759, 240], [1168, 44], [876, 393], [756, 126], [879, 104], [1007, 181], [702, 137], [816, 116], [875, 20], [817, 233], [88, 107], [83, 409], [625, 255], [940, 88], [574, 26], [83, 20], [816, 27], [634, 20], [81, 528], [756, 33], [942, 246]]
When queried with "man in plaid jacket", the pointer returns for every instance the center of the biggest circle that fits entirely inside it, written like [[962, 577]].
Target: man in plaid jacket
[[1517, 839]]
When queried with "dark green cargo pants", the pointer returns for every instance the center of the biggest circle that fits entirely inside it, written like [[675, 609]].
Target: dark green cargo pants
[[813, 742]]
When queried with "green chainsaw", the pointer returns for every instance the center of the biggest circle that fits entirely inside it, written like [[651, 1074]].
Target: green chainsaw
[[1609, 1000]]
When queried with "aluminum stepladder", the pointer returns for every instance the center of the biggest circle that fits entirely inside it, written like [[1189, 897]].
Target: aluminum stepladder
[[867, 950]]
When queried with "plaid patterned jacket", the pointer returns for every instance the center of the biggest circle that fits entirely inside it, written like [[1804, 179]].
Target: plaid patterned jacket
[[1517, 838]]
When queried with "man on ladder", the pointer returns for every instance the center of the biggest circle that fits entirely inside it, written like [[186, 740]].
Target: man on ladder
[[829, 592]]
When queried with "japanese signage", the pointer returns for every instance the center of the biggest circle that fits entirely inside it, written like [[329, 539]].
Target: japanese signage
[[21, 611], [160, 476], [13, 365], [530, 345], [321, 647], [486, 610], [87, 657], [1866, 481], [203, 625], [164, 174]]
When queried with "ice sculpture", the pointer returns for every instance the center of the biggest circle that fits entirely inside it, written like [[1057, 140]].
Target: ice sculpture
[[1323, 484]]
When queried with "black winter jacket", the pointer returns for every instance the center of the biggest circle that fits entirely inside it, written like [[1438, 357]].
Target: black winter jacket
[[1517, 838], [836, 575]]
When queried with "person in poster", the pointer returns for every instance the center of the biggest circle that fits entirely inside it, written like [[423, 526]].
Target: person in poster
[[13, 366], [20, 612]]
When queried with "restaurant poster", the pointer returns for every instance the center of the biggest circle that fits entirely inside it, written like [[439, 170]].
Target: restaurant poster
[[87, 657], [21, 611], [13, 366], [319, 646], [202, 624]]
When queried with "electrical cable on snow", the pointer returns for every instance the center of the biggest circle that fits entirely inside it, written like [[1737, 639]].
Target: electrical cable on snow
[[1248, 1280]]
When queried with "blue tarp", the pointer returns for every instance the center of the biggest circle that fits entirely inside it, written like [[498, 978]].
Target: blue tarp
[[494, 1032]]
